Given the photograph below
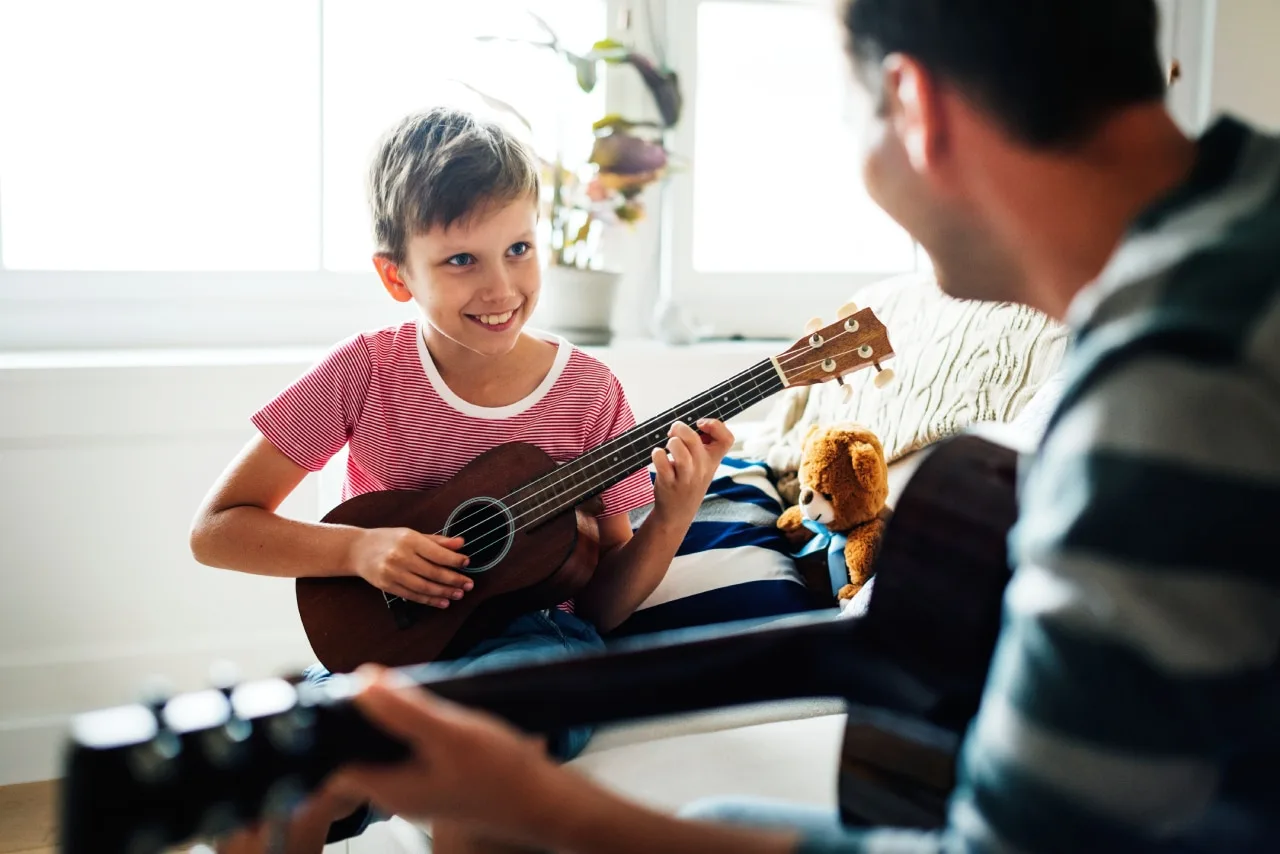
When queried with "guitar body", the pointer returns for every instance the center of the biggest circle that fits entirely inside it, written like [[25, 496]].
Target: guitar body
[[515, 569], [911, 670]]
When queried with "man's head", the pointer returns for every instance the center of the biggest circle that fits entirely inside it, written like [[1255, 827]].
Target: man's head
[[454, 200], [959, 91]]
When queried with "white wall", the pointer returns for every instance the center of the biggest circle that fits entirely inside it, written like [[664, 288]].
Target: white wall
[[1246, 62], [103, 461]]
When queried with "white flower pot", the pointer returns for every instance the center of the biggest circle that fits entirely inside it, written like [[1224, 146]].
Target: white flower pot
[[578, 304]]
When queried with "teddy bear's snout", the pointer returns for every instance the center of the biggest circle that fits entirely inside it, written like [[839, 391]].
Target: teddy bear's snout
[[806, 495]]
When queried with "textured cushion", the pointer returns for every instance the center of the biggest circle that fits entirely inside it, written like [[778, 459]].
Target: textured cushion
[[734, 564], [957, 363]]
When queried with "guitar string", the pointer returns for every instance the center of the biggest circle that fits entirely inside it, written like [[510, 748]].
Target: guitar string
[[756, 374]]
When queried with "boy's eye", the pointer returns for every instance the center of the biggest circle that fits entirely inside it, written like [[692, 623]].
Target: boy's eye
[[462, 259], [520, 248]]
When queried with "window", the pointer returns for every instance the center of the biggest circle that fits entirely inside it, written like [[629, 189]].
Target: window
[[179, 173], [772, 203], [773, 199]]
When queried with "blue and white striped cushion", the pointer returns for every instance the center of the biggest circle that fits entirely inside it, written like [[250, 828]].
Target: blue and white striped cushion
[[734, 563]]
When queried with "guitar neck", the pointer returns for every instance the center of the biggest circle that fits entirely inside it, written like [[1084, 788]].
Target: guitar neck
[[590, 474]]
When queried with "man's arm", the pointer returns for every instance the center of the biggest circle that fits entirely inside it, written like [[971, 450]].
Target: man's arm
[[477, 770]]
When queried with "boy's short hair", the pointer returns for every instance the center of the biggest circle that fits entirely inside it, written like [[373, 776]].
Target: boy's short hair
[[437, 167], [1049, 71]]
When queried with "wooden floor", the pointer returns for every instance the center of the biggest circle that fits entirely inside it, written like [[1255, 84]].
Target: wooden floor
[[28, 821]]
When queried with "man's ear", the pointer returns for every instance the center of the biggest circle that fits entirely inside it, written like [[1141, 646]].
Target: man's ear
[[389, 272], [914, 106]]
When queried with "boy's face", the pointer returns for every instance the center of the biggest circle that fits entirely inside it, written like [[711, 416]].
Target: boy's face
[[476, 281]]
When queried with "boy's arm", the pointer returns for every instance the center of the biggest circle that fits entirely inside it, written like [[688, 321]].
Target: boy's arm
[[631, 567], [237, 528]]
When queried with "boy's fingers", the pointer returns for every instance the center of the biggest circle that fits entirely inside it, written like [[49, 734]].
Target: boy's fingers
[[680, 456], [719, 433], [662, 464], [438, 554]]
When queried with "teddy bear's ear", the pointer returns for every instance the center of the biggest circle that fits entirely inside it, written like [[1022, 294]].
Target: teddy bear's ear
[[808, 434]]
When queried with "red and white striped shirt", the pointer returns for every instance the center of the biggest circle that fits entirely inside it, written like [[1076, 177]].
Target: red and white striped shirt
[[380, 393]]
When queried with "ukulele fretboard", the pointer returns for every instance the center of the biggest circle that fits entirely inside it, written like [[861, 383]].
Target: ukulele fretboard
[[597, 470]]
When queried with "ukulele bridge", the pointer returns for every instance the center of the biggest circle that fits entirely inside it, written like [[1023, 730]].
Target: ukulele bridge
[[487, 527]]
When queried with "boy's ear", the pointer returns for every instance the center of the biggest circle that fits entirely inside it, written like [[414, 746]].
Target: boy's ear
[[389, 272]]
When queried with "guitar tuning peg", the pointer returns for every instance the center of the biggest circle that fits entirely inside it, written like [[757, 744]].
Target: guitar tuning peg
[[883, 378], [814, 324], [847, 309], [224, 675]]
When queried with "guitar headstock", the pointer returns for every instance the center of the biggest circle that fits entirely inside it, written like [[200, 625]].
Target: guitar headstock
[[857, 340], [138, 779]]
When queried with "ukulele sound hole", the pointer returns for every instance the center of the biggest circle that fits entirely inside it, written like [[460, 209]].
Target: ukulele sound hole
[[487, 529]]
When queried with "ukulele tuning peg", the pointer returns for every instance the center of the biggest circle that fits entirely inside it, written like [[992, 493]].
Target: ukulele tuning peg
[[814, 324], [884, 377], [846, 393], [847, 309]]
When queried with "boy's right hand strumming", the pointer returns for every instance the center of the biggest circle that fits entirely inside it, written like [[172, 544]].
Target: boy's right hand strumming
[[414, 566]]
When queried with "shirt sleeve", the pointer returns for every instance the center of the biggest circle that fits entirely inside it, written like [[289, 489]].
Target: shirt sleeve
[[314, 416], [617, 418]]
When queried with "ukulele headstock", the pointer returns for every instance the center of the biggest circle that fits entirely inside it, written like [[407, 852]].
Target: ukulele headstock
[[857, 340]]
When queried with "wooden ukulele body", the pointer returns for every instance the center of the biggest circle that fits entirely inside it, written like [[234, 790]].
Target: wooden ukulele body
[[515, 568]]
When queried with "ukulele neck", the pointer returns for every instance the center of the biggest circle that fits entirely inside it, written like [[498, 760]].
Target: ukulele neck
[[595, 471]]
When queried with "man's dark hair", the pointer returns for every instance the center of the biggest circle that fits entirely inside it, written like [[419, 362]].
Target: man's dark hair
[[1050, 71]]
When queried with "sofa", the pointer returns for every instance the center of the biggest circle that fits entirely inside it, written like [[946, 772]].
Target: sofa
[[990, 369]]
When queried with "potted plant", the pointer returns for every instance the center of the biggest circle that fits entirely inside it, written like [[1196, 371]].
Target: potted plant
[[582, 201]]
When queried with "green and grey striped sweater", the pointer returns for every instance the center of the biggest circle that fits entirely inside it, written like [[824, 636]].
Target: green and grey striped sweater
[[1134, 698]]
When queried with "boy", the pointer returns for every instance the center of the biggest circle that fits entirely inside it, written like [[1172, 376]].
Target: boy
[[455, 207]]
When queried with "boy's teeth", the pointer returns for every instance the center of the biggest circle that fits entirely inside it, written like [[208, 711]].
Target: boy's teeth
[[495, 319]]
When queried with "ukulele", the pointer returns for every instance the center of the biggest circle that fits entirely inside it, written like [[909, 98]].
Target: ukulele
[[526, 522], [139, 778]]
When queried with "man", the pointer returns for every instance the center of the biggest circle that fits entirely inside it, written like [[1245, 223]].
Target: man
[[1134, 693]]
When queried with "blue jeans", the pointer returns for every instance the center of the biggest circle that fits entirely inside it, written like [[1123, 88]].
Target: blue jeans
[[820, 829], [529, 639]]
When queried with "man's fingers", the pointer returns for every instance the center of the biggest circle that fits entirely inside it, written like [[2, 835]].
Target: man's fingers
[[406, 713]]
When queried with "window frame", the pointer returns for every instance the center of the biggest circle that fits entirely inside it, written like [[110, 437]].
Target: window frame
[[756, 305], [118, 310]]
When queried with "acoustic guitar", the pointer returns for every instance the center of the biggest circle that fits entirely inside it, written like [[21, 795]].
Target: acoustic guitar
[[525, 520], [142, 777]]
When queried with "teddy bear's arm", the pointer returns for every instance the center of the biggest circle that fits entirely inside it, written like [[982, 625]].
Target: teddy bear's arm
[[792, 524], [860, 554]]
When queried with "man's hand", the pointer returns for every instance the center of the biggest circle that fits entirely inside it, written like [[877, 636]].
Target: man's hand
[[685, 467], [413, 566], [465, 766]]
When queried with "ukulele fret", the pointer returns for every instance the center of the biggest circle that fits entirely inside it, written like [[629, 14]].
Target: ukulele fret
[[593, 472]]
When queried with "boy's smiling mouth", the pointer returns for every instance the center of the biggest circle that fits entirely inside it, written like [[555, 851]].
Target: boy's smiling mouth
[[495, 322]]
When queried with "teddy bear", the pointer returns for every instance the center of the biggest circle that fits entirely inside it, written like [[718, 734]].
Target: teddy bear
[[844, 482]]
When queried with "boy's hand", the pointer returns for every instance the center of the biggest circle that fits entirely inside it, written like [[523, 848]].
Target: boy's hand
[[413, 566], [686, 467]]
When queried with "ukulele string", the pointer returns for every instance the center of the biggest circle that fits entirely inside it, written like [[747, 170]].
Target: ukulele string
[[522, 520], [737, 382]]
